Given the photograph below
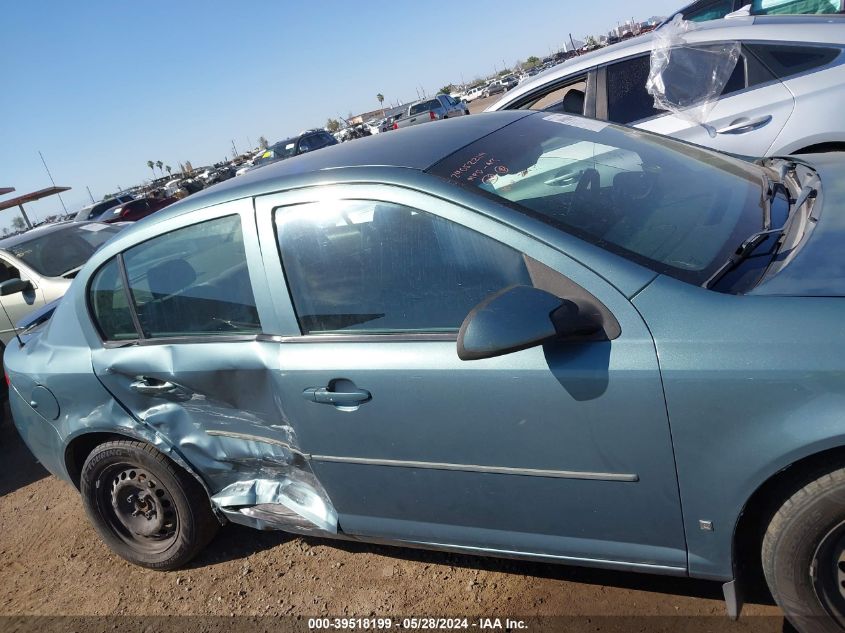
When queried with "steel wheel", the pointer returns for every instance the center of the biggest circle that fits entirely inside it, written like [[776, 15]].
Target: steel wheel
[[146, 508], [137, 506]]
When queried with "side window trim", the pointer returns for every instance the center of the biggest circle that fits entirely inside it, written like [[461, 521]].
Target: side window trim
[[127, 291]]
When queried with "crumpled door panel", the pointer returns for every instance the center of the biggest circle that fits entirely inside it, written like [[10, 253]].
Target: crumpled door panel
[[217, 405]]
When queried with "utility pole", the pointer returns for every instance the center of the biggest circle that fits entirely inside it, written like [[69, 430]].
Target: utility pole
[[89, 193], [234, 149], [47, 169]]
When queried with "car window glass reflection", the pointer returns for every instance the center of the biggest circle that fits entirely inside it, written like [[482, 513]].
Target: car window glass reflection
[[376, 267], [193, 281]]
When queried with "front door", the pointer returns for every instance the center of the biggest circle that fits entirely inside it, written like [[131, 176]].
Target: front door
[[562, 451]]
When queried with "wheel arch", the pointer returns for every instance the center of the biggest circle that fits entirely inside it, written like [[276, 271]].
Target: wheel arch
[[80, 446], [819, 148], [764, 502]]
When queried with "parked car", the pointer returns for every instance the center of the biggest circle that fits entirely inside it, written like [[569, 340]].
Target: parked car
[[494, 88], [655, 326], [137, 209], [783, 96], [97, 209], [473, 93], [38, 266], [508, 81], [704, 10], [176, 188], [434, 109], [306, 142]]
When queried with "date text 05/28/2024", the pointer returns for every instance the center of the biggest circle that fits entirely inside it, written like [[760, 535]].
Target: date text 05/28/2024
[[416, 623]]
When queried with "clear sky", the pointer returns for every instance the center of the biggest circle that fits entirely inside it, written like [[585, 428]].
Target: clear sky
[[101, 87]]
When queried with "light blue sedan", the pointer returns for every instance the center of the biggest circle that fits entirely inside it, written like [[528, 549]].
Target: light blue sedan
[[515, 334]]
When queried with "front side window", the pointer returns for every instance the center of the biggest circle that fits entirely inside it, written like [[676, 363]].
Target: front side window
[[109, 305], [675, 208], [193, 281], [359, 266], [569, 98]]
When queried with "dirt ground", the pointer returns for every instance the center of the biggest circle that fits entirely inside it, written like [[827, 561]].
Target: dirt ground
[[53, 563]]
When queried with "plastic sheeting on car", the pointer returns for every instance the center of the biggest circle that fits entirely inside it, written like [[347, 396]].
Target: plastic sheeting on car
[[687, 79]]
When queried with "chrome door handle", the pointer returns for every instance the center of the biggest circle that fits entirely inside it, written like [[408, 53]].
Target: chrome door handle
[[350, 398], [152, 387], [744, 125]]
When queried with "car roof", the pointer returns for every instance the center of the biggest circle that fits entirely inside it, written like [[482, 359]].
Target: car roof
[[826, 28], [39, 231], [416, 147]]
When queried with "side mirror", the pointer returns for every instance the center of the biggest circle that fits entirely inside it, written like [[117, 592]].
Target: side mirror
[[13, 286], [520, 317]]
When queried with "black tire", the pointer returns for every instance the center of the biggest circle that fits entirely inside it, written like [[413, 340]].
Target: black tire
[[466, 112], [146, 508], [803, 555]]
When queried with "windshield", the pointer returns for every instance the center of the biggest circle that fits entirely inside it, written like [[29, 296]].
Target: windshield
[[63, 250], [285, 149], [675, 208], [425, 106]]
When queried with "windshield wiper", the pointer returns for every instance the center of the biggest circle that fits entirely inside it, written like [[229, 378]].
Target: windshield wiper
[[750, 243], [743, 252]]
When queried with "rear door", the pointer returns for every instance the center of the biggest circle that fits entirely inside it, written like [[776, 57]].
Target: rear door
[[753, 109], [192, 366], [563, 452]]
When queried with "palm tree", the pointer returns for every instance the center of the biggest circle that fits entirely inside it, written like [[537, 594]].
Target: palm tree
[[168, 169], [151, 164], [159, 164], [380, 98]]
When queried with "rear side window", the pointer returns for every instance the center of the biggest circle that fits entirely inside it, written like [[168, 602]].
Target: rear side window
[[193, 281], [785, 60], [783, 7], [627, 99], [109, 304]]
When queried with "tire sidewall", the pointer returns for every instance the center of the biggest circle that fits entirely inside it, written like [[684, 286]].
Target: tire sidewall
[[789, 552]]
